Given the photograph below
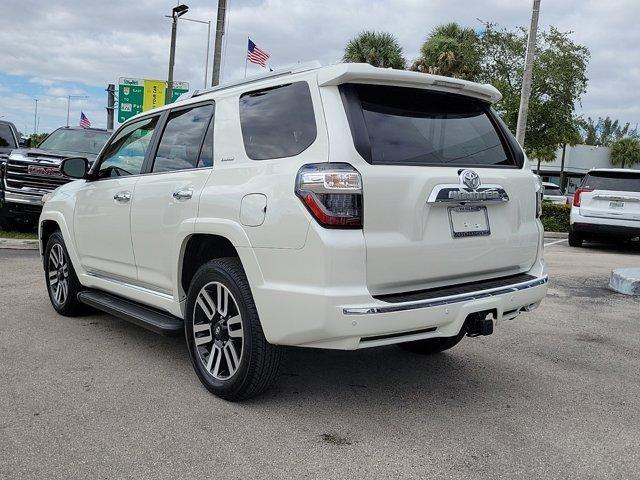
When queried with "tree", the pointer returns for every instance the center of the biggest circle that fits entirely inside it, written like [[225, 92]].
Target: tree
[[605, 131], [559, 81], [36, 138], [625, 151], [450, 50], [380, 49]]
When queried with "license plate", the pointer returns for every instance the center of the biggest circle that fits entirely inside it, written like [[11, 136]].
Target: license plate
[[38, 170], [469, 221], [617, 205]]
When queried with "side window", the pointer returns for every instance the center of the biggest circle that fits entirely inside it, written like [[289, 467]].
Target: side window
[[126, 151], [277, 122], [181, 140], [206, 154]]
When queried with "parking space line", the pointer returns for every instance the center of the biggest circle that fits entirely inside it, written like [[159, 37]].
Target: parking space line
[[557, 241]]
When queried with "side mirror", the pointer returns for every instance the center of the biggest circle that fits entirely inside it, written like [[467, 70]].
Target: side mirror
[[75, 167]]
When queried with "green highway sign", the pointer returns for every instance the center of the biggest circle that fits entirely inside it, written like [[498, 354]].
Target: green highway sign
[[137, 95]]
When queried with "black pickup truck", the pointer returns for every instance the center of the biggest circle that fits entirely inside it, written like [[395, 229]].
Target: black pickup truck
[[29, 173]]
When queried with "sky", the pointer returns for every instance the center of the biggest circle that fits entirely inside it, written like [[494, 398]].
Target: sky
[[52, 49]]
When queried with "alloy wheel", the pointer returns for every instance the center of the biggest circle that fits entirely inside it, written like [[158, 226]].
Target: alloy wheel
[[58, 274], [217, 331]]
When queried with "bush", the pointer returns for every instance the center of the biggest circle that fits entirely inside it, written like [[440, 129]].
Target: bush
[[555, 217]]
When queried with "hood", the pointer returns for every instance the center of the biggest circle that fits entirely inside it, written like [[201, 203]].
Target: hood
[[47, 156]]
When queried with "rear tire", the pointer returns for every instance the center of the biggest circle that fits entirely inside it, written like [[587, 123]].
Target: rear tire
[[62, 282], [575, 239], [432, 345], [227, 346]]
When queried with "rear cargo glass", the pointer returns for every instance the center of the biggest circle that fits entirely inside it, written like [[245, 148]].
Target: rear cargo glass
[[618, 181], [411, 126]]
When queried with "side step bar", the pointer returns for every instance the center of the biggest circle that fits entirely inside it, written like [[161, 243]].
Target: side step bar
[[141, 315]]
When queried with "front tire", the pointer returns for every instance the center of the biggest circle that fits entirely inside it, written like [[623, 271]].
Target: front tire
[[575, 239], [430, 346], [62, 282], [227, 346]]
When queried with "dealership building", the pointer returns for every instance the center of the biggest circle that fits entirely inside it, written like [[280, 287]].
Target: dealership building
[[578, 160]]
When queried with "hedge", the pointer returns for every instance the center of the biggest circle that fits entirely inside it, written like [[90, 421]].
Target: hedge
[[555, 217]]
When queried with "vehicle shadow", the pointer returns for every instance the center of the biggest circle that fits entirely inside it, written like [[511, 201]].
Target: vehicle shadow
[[632, 247]]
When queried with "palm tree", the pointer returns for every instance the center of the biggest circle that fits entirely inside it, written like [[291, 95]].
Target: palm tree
[[625, 151], [380, 49], [450, 50]]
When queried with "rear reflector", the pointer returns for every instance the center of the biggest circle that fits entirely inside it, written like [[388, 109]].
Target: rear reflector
[[332, 192]]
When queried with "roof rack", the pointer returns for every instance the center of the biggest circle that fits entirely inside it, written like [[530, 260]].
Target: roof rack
[[295, 68]]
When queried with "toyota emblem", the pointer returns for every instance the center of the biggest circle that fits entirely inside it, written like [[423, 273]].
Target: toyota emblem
[[470, 179]]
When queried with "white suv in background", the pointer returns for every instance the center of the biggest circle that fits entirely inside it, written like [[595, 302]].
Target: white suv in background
[[606, 206], [342, 207]]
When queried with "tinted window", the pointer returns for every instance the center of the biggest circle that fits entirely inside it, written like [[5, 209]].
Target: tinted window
[[182, 139], [6, 137], [277, 122], [410, 126], [548, 190], [76, 141], [621, 181], [206, 154], [125, 154]]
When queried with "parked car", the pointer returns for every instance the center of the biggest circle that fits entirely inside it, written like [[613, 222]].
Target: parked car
[[32, 172], [8, 141], [606, 206], [553, 193], [342, 207]]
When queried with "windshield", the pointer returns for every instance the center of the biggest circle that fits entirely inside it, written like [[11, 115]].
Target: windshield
[[78, 141], [411, 126], [6, 137], [616, 181]]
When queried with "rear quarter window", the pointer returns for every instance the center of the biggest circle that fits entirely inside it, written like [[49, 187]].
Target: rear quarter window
[[277, 122]]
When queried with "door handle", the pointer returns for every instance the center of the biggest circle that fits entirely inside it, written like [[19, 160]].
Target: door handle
[[183, 194], [122, 197]]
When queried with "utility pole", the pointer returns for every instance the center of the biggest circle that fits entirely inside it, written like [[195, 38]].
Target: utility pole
[[527, 75], [35, 117], [217, 51], [111, 102], [176, 13]]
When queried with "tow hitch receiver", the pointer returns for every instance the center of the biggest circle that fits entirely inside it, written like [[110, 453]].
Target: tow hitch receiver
[[480, 323]]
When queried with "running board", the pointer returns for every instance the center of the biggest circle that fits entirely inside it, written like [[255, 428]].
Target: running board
[[141, 315]]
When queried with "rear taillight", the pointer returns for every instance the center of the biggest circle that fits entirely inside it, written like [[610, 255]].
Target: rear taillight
[[576, 196], [332, 192], [539, 196]]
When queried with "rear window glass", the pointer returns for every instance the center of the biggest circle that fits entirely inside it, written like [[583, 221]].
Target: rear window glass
[[552, 190], [620, 181], [277, 122], [410, 126]]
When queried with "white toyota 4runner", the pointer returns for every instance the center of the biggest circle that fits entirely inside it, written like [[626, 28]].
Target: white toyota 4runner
[[340, 207]]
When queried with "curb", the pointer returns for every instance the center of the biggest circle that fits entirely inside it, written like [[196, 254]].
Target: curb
[[556, 235], [625, 281], [18, 244]]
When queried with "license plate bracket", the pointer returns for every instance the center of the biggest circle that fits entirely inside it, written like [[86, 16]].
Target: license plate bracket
[[615, 204], [469, 221]]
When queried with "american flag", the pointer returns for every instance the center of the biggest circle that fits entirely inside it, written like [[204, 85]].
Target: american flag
[[255, 55], [84, 121]]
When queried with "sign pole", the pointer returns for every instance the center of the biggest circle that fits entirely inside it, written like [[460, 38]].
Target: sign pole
[[246, 57]]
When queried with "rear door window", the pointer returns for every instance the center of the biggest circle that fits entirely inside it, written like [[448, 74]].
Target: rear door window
[[411, 126], [182, 139], [277, 122], [617, 181]]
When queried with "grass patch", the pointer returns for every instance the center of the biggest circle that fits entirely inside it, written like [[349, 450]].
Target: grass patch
[[19, 235]]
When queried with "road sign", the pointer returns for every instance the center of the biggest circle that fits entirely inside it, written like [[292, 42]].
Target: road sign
[[137, 95]]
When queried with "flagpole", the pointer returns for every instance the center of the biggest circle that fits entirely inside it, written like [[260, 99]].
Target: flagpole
[[246, 56]]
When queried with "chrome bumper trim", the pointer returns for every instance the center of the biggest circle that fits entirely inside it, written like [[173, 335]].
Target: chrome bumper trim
[[437, 302], [22, 198]]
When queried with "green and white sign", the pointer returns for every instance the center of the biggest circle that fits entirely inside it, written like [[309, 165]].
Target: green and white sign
[[136, 95]]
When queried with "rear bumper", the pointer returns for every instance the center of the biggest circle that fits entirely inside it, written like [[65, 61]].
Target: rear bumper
[[603, 227]]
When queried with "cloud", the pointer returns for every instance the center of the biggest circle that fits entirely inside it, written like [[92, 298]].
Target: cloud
[[82, 44]]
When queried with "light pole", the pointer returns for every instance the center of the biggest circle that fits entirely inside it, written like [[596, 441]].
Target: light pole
[[206, 62], [176, 13], [217, 52], [69, 97], [35, 116]]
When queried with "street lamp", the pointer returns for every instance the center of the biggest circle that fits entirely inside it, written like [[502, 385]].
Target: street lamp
[[176, 13], [69, 97], [206, 62]]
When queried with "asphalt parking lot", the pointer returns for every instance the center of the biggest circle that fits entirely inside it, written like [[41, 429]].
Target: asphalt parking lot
[[553, 394]]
